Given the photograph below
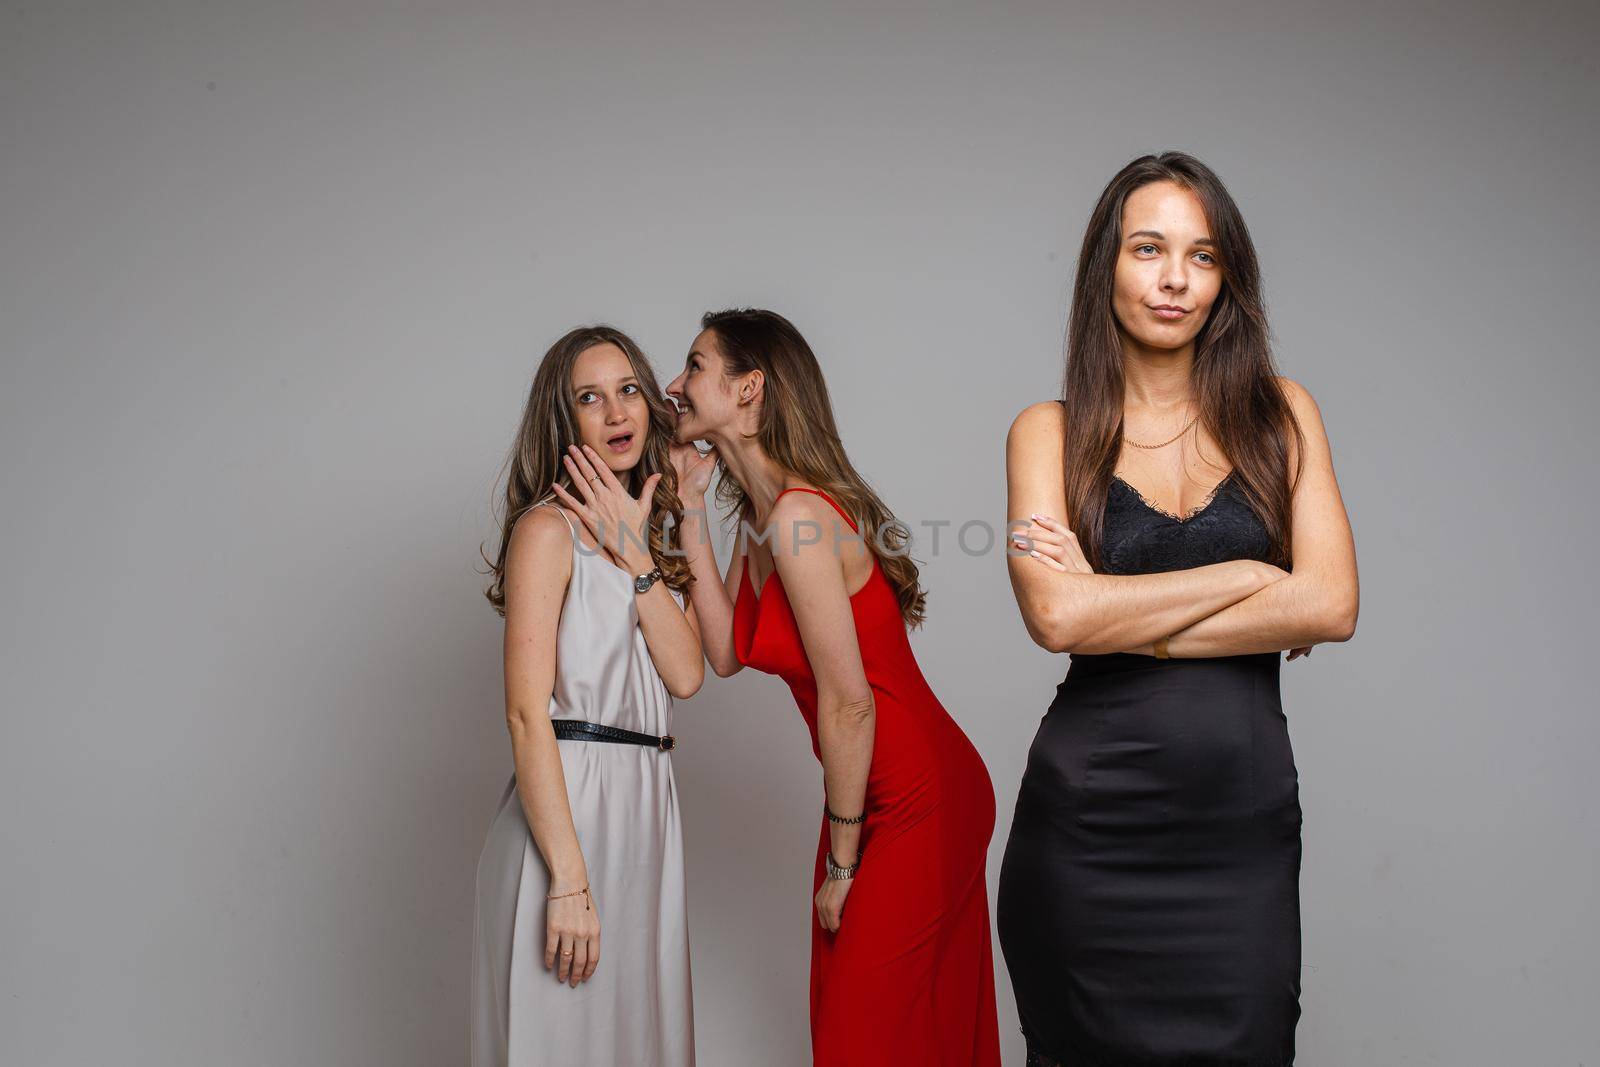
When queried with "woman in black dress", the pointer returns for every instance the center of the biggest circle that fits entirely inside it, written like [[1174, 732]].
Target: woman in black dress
[[1148, 904]]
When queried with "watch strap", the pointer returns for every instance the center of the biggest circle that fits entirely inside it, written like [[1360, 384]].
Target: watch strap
[[838, 873]]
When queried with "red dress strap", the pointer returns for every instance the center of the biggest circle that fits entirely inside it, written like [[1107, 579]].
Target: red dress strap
[[825, 496]]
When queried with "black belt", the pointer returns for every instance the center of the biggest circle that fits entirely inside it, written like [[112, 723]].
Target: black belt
[[579, 730]]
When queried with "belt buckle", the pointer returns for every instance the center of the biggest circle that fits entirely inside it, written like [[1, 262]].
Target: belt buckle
[[667, 743]]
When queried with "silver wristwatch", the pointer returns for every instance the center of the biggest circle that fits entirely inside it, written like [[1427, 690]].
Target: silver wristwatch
[[643, 582], [838, 873]]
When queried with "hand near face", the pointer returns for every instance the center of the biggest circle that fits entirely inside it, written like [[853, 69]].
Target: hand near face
[[619, 522], [694, 470]]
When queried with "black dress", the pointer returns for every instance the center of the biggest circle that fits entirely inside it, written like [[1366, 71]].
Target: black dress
[[1149, 905]]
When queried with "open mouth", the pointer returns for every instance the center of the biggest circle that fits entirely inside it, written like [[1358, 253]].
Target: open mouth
[[620, 442]]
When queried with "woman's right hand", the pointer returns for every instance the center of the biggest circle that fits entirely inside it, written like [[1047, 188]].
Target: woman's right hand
[[694, 469], [571, 937], [1050, 542]]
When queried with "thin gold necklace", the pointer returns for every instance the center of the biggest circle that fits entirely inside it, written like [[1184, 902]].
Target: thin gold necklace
[[1165, 443]]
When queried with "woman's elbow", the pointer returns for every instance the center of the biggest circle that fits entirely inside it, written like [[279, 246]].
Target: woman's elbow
[[688, 686], [726, 668], [522, 723], [1339, 617], [1344, 622], [849, 713], [1051, 629]]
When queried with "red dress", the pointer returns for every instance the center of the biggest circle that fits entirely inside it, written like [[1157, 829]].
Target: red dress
[[909, 977]]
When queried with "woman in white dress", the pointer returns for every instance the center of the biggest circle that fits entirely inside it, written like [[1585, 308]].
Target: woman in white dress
[[597, 646]]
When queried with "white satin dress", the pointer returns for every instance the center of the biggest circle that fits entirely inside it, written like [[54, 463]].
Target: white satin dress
[[637, 1009]]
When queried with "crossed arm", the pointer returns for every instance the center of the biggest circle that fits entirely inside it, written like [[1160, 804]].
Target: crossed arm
[[1231, 608]]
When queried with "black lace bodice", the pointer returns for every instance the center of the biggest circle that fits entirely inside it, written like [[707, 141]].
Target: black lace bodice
[[1140, 538]]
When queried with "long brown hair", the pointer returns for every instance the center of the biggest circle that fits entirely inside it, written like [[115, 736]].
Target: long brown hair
[[797, 431], [550, 424], [1242, 405]]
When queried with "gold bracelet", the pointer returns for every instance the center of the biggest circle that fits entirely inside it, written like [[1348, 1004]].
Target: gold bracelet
[[562, 896], [1161, 648]]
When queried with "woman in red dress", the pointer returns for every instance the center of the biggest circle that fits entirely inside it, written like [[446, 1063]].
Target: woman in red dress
[[820, 592]]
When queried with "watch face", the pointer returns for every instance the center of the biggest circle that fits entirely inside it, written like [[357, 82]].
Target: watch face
[[642, 584]]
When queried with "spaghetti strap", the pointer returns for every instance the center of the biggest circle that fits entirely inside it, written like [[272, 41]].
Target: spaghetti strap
[[563, 514], [825, 496]]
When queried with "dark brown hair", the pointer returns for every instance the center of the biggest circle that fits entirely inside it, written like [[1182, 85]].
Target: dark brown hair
[[1241, 401], [797, 431], [550, 424]]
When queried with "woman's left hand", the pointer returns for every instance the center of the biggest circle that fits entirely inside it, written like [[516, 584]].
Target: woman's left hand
[[830, 902], [1052, 544], [620, 523]]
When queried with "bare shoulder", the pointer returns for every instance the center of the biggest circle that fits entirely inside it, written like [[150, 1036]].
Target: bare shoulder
[[798, 519], [1033, 447], [1308, 415], [1040, 423], [1301, 403], [541, 541], [1318, 458]]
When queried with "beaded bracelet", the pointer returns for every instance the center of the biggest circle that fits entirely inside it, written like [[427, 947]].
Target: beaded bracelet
[[841, 819]]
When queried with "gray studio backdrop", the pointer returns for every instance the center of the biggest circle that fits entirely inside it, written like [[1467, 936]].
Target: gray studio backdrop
[[275, 277]]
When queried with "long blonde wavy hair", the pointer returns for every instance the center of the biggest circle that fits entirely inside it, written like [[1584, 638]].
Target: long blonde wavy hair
[[550, 424]]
